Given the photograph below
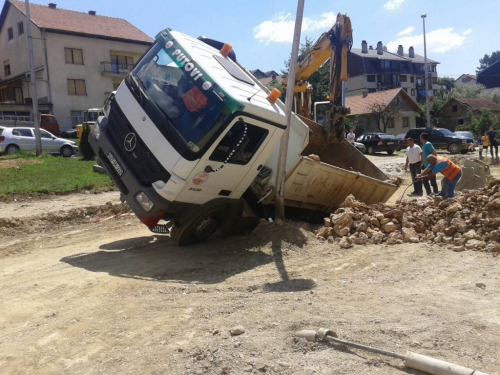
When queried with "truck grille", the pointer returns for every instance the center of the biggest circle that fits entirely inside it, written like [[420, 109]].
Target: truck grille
[[141, 161]]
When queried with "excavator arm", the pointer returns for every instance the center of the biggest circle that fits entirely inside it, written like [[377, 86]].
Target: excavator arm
[[334, 45]]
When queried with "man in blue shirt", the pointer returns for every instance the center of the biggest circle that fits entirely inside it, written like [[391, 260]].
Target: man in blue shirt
[[428, 149], [492, 137]]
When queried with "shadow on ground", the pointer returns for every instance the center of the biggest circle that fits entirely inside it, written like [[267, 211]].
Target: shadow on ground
[[158, 258]]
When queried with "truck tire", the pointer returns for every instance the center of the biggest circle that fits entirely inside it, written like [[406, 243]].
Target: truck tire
[[454, 148], [390, 152], [200, 227], [370, 150]]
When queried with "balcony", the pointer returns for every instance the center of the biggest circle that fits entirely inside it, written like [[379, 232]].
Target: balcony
[[113, 69]]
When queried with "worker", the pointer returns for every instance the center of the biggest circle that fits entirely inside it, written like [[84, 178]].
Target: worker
[[428, 149], [492, 140], [350, 136], [450, 171], [415, 160]]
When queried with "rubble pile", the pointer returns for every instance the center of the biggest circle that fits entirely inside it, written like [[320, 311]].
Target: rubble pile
[[470, 221]]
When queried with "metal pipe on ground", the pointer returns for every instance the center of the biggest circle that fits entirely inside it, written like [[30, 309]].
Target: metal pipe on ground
[[411, 360]]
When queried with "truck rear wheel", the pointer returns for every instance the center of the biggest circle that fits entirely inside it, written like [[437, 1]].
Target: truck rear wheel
[[200, 227], [454, 148]]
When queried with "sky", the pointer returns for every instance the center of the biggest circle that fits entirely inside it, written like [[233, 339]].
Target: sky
[[458, 32]]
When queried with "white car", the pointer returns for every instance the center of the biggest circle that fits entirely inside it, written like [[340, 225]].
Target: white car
[[14, 139]]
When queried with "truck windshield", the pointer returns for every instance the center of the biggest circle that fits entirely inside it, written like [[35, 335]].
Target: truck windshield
[[190, 111]]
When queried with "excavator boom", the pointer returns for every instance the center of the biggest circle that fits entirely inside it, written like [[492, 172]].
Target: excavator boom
[[334, 46]]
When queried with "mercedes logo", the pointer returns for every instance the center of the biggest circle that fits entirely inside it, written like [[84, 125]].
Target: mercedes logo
[[130, 142]]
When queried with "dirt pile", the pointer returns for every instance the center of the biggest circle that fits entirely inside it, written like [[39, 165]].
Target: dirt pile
[[90, 214], [470, 221]]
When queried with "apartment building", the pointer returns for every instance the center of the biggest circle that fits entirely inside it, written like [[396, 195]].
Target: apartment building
[[376, 69], [79, 59]]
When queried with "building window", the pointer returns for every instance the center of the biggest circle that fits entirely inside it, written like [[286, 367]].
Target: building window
[[371, 78], [372, 90], [10, 33], [403, 78], [73, 56], [464, 79], [121, 64], [390, 123], [385, 64], [20, 28], [6, 68], [461, 121], [435, 92], [454, 109], [372, 64], [76, 87], [412, 92], [412, 79], [406, 122]]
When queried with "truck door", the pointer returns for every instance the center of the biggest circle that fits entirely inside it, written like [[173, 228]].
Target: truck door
[[233, 159]]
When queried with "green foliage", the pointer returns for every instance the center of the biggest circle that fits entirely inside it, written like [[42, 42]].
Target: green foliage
[[49, 173], [487, 61], [447, 82], [436, 113], [470, 91], [481, 125], [85, 148]]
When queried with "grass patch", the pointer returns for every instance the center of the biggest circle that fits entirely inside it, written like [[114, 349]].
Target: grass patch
[[50, 174]]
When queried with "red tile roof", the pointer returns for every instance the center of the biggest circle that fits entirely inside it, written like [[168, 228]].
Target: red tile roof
[[478, 104], [360, 104], [69, 21]]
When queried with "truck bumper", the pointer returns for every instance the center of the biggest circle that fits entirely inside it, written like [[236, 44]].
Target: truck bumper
[[130, 187]]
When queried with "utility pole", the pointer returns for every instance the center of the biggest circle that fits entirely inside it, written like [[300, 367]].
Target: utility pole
[[426, 81], [34, 97], [281, 172]]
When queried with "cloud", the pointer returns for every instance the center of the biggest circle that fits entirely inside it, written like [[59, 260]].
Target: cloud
[[467, 32], [280, 29], [407, 31], [393, 4], [438, 41]]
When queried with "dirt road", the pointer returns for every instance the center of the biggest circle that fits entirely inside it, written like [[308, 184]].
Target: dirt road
[[111, 298]]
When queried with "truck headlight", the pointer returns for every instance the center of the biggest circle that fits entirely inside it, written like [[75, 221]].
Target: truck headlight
[[96, 130], [146, 203], [464, 141]]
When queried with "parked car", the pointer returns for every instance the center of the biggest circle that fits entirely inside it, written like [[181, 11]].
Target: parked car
[[375, 142], [467, 135], [401, 139], [442, 138], [14, 139], [71, 133], [361, 147]]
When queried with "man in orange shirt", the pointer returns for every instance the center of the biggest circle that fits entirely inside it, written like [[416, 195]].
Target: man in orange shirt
[[450, 171]]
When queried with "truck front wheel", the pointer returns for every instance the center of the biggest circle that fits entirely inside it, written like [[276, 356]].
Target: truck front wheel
[[200, 227]]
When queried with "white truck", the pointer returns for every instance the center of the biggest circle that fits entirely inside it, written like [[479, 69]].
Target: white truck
[[191, 138]]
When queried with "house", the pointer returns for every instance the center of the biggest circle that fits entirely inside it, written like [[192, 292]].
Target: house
[[490, 77], [372, 70], [363, 106], [79, 59], [466, 79], [455, 110], [260, 74]]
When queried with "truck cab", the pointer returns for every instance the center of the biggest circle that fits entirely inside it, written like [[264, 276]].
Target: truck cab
[[188, 128]]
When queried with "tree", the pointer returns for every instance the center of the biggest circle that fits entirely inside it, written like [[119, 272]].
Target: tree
[[385, 114], [447, 82], [470, 91], [436, 113], [85, 148], [487, 61]]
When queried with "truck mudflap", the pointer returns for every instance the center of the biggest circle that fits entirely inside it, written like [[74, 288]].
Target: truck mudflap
[[320, 186]]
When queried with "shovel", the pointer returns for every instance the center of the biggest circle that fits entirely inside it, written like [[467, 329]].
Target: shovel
[[411, 360]]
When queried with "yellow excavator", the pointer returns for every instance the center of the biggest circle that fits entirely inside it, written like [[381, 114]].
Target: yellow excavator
[[333, 45]]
